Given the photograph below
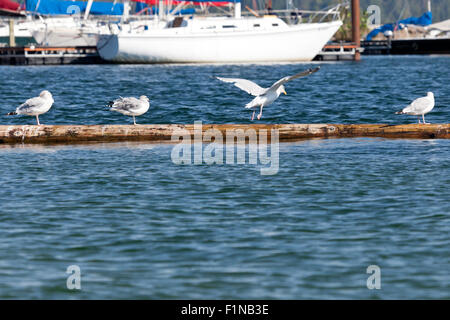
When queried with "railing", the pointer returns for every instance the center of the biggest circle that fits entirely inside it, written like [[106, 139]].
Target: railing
[[290, 16], [297, 16]]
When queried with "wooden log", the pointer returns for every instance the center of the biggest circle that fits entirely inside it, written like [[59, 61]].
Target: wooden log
[[12, 134]]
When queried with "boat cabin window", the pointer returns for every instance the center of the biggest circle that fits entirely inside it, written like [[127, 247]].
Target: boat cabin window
[[228, 26], [257, 25], [177, 23], [275, 24]]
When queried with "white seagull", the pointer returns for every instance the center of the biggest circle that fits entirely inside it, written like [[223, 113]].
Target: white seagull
[[35, 106], [130, 106], [420, 107], [264, 96]]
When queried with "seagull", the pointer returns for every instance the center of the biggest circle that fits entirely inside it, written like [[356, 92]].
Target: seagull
[[35, 106], [265, 96], [420, 107], [130, 106]]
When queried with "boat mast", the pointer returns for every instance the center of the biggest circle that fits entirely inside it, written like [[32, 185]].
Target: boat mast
[[88, 9], [161, 10], [237, 9], [126, 10]]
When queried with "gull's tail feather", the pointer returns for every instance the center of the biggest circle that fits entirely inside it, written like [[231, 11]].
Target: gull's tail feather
[[399, 112], [12, 113], [110, 104], [251, 104]]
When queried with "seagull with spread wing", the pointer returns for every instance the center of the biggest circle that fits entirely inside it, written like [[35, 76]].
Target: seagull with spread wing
[[265, 96]]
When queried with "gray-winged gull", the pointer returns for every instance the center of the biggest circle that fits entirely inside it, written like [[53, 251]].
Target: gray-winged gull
[[130, 106], [420, 107], [35, 106]]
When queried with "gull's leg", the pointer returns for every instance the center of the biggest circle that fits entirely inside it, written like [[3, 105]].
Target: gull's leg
[[37, 119], [418, 117], [423, 117], [260, 112], [134, 120], [253, 116]]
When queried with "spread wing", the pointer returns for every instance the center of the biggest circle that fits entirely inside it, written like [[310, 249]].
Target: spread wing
[[419, 105], [282, 81], [248, 86]]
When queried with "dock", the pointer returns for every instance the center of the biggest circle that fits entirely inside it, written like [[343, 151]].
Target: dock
[[338, 52], [380, 47], [72, 134], [35, 55]]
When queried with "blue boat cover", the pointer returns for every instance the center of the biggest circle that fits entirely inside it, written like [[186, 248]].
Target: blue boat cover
[[424, 20], [57, 7]]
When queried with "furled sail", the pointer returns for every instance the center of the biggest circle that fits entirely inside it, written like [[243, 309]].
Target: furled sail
[[57, 7]]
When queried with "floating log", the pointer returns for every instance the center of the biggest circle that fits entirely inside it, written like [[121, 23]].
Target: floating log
[[163, 132]]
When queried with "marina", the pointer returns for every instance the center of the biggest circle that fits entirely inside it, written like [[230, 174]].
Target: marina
[[173, 37], [110, 33]]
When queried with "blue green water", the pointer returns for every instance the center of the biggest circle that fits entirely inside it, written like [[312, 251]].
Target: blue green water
[[140, 226]]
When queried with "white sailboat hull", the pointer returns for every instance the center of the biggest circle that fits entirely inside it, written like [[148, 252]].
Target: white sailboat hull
[[67, 32], [65, 38], [180, 45]]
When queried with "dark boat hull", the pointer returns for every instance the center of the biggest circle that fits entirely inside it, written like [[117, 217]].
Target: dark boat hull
[[407, 46]]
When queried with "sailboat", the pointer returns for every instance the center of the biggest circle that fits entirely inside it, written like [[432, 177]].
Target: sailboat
[[229, 38], [68, 23]]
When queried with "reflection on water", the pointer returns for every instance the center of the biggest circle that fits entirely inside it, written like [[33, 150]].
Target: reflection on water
[[29, 147]]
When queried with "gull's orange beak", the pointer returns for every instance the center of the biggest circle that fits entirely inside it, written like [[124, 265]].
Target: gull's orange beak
[[284, 91]]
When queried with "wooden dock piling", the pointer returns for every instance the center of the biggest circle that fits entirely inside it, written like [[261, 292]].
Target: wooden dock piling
[[12, 38], [67, 134], [356, 33]]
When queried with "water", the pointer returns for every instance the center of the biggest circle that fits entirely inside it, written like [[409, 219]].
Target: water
[[140, 226]]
